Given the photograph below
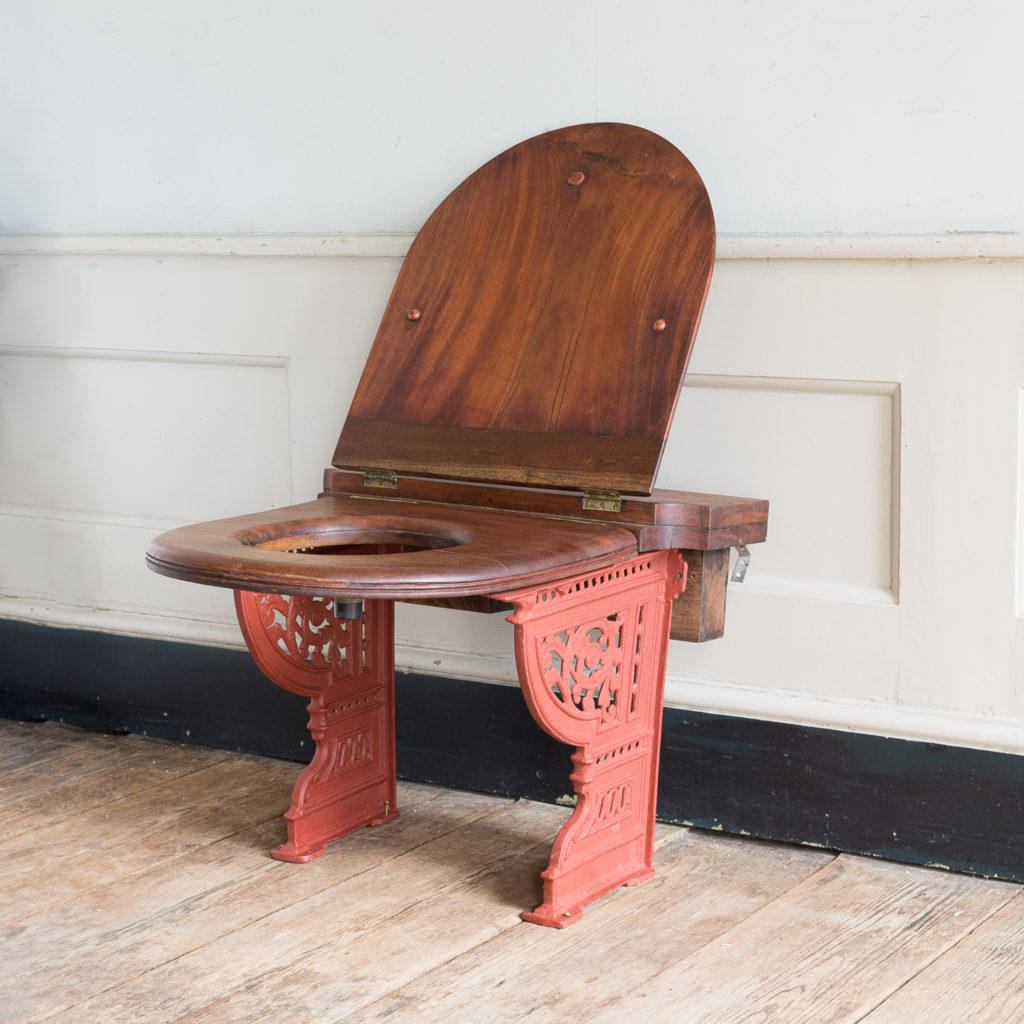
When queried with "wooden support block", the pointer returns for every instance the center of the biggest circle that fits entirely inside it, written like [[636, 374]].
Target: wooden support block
[[698, 613]]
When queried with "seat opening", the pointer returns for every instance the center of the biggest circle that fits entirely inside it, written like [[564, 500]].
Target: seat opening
[[356, 542]]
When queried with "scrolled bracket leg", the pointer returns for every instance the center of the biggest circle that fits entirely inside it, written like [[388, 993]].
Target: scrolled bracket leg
[[346, 668], [591, 658]]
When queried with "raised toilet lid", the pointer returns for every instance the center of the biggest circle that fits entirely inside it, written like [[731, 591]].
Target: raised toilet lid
[[543, 318]]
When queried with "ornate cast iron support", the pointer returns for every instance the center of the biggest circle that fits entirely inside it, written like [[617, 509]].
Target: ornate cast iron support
[[347, 669], [591, 657]]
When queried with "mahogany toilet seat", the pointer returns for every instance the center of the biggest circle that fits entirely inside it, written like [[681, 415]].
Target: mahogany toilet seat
[[502, 446], [301, 549]]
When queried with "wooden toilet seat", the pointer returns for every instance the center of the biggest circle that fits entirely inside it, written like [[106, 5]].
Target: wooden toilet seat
[[502, 446], [306, 549]]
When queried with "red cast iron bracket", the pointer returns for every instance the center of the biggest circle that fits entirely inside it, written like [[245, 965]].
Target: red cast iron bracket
[[591, 657], [347, 668]]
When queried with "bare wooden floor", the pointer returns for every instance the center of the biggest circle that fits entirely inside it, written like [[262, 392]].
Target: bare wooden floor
[[135, 887]]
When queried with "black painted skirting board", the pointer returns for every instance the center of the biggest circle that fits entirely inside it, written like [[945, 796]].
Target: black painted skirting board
[[922, 803]]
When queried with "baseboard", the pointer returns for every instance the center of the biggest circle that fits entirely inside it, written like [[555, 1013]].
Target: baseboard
[[921, 803]]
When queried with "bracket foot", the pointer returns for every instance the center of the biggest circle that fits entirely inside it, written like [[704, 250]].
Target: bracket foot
[[591, 657], [346, 668]]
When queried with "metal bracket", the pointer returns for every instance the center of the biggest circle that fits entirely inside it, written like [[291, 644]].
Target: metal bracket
[[380, 478], [602, 501], [739, 573]]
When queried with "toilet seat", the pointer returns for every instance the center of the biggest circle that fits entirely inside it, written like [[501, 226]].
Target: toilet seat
[[519, 391], [295, 550]]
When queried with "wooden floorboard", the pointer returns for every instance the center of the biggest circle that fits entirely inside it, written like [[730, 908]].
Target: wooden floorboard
[[979, 981], [92, 774], [135, 886], [705, 884], [339, 945], [827, 951], [26, 744], [116, 932]]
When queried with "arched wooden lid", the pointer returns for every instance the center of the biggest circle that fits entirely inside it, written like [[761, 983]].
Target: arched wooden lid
[[543, 319]]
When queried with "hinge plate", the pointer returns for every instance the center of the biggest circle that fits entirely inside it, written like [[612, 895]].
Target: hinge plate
[[380, 478], [602, 501], [739, 574]]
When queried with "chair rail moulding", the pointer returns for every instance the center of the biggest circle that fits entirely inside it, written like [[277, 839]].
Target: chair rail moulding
[[140, 355], [951, 246]]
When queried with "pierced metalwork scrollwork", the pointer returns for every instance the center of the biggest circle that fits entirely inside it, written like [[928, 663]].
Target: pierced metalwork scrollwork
[[306, 630], [585, 666]]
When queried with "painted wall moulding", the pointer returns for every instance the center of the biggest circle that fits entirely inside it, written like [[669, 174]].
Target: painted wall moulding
[[953, 246]]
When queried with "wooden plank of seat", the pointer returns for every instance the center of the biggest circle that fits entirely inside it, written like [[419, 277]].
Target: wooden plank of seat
[[300, 549]]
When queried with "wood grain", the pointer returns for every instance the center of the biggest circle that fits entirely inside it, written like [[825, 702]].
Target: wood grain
[[704, 885], [664, 519], [481, 604], [189, 920], [980, 980], [698, 613], [325, 952], [538, 334], [826, 952], [48, 866], [536, 301], [533, 457], [455, 551], [93, 774], [417, 940], [112, 933], [29, 746]]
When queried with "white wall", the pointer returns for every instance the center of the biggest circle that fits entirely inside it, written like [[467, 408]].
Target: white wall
[[351, 116], [164, 357]]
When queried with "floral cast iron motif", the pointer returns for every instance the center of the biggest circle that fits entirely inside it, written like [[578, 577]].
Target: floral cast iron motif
[[585, 666], [346, 668], [307, 632]]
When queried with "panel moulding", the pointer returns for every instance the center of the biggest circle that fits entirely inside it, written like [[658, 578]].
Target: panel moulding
[[951, 246], [144, 356], [44, 611], [1020, 505], [887, 390], [91, 517], [102, 389], [816, 385]]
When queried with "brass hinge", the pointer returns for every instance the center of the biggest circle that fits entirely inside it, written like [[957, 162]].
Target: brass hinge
[[602, 501], [380, 478]]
